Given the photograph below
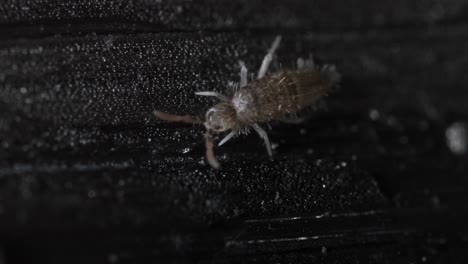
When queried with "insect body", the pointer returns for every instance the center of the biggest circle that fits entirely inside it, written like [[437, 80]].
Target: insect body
[[270, 97]]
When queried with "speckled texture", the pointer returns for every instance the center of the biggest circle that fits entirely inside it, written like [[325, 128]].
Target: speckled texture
[[105, 98], [180, 15], [78, 134], [82, 157]]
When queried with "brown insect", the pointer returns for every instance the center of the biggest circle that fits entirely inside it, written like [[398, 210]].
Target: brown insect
[[278, 96]]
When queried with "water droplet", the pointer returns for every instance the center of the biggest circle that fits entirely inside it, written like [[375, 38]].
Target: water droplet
[[185, 150], [404, 140], [324, 250], [374, 114], [92, 194], [113, 258], [392, 121], [456, 137]]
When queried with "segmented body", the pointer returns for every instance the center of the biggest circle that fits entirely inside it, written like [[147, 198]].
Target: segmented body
[[269, 97], [277, 96]]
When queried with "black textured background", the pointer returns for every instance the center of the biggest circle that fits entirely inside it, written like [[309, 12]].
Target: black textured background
[[378, 174]]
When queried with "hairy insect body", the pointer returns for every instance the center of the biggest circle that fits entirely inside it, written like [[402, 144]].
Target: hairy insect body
[[276, 96], [273, 97]]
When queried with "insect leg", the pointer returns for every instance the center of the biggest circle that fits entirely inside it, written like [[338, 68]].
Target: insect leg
[[264, 136], [176, 118], [210, 156], [227, 138], [269, 57], [243, 74], [215, 94]]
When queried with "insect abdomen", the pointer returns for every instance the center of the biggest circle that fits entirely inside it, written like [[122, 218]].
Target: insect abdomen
[[309, 86], [277, 95]]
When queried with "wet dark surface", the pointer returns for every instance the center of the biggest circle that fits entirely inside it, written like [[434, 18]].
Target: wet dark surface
[[377, 173]]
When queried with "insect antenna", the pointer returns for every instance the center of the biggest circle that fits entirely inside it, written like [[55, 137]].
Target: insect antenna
[[177, 118]]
